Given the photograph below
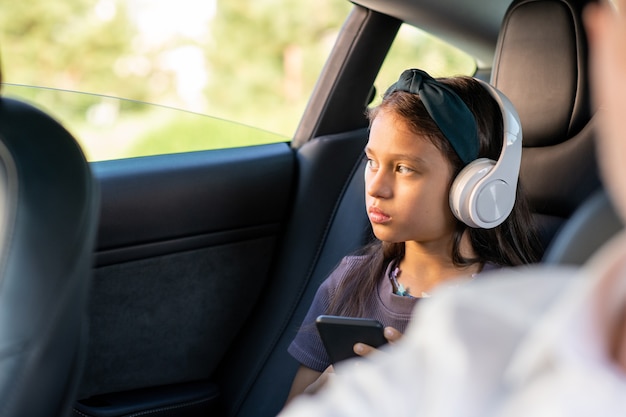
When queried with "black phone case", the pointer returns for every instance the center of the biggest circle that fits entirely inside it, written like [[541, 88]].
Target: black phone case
[[339, 334]]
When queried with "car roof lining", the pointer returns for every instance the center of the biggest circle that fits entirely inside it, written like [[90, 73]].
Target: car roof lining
[[471, 26]]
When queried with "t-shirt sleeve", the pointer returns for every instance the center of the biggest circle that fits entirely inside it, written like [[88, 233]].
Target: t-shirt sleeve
[[307, 347]]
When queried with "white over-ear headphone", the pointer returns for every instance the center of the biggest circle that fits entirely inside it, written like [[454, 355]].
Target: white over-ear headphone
[[483, 193]]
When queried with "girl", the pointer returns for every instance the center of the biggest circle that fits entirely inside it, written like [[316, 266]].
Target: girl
[[422, 135]]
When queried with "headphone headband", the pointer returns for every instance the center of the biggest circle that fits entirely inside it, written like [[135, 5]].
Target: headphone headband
[[510, 159]]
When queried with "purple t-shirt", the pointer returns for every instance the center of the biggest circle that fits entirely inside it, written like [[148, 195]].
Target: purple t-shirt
[[385, 306]]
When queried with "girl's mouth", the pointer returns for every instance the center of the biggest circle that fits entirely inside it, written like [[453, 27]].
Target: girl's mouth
[[378, 216]]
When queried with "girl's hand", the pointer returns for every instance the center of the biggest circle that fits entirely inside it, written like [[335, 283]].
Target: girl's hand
[[320, 381], [392, 335]]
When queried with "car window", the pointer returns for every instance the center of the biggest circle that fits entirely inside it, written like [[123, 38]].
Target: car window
[[142, 77], [414, 48], [114, 128]]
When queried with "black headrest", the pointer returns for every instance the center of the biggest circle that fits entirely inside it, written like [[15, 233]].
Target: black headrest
[[541, 65]]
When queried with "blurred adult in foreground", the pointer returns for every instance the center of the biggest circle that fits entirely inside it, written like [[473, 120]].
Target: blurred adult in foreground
[[536, 341]]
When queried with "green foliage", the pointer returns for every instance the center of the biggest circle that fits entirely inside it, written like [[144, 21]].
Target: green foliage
[[187, 134], [269, 53], [64, 45], [413, 48], [259, 61]]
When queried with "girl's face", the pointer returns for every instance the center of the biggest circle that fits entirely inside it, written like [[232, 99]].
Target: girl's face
[[407, 181]]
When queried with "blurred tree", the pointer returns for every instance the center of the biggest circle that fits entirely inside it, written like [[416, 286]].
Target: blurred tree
[[262, 58], [71, 44], [268, 54], [251, 61]]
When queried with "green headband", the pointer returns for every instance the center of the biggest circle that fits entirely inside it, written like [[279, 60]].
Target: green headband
[[450, 113]]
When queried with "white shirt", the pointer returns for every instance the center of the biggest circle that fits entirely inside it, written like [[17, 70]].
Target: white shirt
[[529, 341]]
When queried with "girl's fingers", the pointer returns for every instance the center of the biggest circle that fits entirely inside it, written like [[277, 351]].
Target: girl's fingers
[[392, 335]]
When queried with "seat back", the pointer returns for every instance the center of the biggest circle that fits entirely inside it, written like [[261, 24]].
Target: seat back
[[329, 222], [593, 224], [48, 207], [541, 65]]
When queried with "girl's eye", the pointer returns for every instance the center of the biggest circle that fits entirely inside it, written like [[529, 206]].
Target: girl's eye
[[371, 164], [402, 169]]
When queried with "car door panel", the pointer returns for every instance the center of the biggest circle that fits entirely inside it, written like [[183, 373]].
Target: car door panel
[[184, 248], [186, 200]]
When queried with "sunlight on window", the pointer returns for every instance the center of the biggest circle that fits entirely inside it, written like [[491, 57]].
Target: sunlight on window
[[414, 48], [159, 21], [105, 10]]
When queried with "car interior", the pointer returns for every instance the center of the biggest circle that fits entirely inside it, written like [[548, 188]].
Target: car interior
[[592, 224], [205, 263]]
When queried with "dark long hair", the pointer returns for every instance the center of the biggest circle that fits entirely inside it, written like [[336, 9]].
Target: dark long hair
[[514, 242]]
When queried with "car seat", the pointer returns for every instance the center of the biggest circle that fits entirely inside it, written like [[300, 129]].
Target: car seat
[[541, 65], [48, 208], [594, 223]]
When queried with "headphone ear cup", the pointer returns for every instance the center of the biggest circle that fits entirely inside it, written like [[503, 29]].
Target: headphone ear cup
[[479, 198], [463, 194], [483, 194]]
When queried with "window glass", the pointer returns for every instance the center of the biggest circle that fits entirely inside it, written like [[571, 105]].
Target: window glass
[[139, 77], [414, 48]]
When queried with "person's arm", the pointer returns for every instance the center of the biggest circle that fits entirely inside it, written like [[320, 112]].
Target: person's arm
[[356, 391], [307, 347], [310, 381], [306, 380]]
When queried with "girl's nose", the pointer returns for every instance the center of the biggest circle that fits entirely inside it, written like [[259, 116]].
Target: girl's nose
[[377, 183]]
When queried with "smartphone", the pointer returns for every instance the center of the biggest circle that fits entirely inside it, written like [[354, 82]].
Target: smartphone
[[339, 334]]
